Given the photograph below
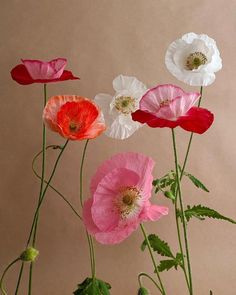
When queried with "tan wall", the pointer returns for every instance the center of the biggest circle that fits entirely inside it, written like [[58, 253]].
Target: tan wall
[[101, 39]]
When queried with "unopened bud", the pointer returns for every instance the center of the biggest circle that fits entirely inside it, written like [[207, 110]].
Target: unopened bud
[[143, 291], [29, 255]]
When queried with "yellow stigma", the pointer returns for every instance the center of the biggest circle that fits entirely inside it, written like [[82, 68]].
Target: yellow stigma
[[195, 60], [125, 104]]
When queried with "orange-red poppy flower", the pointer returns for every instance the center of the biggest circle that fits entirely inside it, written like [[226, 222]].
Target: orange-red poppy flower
[[73, 117]]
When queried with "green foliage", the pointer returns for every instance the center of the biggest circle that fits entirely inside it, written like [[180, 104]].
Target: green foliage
[[170, 263], [196, 182], [143, 291], [158, 245], [93, 287], [201, 212]]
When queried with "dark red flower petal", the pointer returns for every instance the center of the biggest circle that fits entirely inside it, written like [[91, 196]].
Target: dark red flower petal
[[197, 120], [21, 76], [152, 121]]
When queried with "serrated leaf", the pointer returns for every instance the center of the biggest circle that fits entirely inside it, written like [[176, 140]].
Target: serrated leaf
[[201, 212], [197, 182], [158, 245], [170, 263], [92, 287]]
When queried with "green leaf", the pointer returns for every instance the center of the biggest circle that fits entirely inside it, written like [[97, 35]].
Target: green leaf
[[197, 182], [170, 263], [169, 195], [158, 245], [93, 287], [201, 212]]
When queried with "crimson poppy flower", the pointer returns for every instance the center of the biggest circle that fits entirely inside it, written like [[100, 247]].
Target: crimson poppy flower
[[37, 71], [73, 117], [169, 106]]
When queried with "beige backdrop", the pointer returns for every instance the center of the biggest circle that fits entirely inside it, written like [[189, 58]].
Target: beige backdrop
[[101, 39]]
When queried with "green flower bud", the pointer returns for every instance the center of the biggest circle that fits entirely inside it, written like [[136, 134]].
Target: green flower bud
[[29, 255], [143, 291]]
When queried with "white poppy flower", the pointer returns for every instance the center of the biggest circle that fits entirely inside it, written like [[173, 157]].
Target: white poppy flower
[[117, 109], [194, 59]]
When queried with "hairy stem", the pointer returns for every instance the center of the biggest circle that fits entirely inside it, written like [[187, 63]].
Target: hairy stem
[[143, 274]]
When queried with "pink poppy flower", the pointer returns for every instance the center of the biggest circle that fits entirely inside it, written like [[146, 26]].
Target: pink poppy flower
[[121, 189], [169, 106], [37, 71], [73, 117]]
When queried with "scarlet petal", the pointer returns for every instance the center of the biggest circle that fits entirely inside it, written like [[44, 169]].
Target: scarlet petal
[[197, 120], [21, 76], [152, 121]]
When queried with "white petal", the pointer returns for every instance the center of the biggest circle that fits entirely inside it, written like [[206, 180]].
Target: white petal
[[128, 85], [122, 127]]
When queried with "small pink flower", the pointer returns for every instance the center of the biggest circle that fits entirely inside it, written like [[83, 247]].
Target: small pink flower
[[169, 106], [121, 189], [37, 71]]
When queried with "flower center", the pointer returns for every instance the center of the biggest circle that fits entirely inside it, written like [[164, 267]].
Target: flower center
[[195, 60], [74, 127], [125, 104], [128, 201], [165, 102]]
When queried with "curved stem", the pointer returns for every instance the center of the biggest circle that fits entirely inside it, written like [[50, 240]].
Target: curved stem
[[182, 212], [89, 238], [153, 260], [4, 273], [53, 188], [143, 274], [81, 174]]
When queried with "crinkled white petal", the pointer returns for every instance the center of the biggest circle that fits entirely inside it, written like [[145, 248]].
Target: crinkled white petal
[[179, 50], [129, 86], [122, 127]]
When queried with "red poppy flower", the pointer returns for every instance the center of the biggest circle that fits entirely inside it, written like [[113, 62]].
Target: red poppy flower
[[36, 71], [169, 106], [73, 117]]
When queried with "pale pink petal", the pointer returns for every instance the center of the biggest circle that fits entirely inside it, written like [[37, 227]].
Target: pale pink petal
[[87, 217], [152, 100], [105, 213], [181, 105], [136, 162], [45, 70], [152, 212], [117, 235]]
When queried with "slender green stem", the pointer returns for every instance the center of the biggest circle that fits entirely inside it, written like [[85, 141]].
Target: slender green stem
[[143, 274], [41, 189], [89, 238], [81, 174], [4, 273], [190, 141], [182, 212], [19, 277], [53, 188], [153, 259]]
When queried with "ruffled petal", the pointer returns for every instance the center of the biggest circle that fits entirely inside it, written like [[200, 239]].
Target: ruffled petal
[[140, 164], [21, 76], [105, 214], [128, 85], [153, 212], [197, 120], [45, 70], [118, 235]]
